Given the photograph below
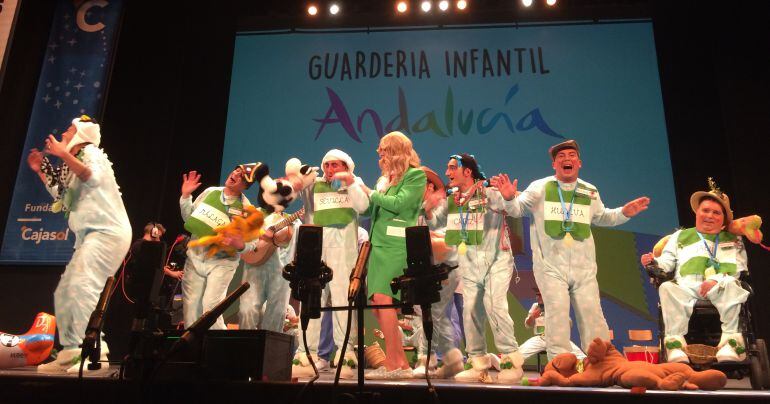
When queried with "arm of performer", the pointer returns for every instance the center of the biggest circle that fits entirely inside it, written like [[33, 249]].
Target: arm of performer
[[617, 216], [534, 313], [190, 182], [435, 207], [516, 203], [82, 171], [357, 191], [35, 162], [410, 193]]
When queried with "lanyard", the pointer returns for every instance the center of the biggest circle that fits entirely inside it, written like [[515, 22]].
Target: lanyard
[[712, 255], [567, 224], [464, 223]]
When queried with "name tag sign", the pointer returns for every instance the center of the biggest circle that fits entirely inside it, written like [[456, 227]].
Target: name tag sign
[[579, 213], [475, 221], [588, 193], [331, 200], [210, 215]]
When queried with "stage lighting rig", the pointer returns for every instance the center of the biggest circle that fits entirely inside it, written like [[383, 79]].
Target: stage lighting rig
[[312, 10], [334, 9], [425, 6], [550, 3], [526, 3], [462, 4], [443, 5], [402, 7]]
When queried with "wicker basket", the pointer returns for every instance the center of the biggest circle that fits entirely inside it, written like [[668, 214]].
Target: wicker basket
[[700, 354], [374, 356]]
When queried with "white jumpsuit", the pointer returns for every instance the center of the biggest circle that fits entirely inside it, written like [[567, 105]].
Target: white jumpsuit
[[340, 251], [566, 274], [263, 306], [206, 280], [486, 271], [102, 231]]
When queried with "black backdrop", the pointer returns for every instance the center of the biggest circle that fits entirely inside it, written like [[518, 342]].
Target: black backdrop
[[166, 107]]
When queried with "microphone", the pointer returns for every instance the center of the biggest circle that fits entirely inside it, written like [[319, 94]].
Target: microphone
[[97, 320], [356, 277], [206, 320]]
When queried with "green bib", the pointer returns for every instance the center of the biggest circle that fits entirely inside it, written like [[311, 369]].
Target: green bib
[[695, 258], [331, 207], [581, 211], [472, 216], [212, 213]]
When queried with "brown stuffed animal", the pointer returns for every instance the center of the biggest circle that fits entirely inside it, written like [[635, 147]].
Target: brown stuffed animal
[[605, 366], [249, 228]]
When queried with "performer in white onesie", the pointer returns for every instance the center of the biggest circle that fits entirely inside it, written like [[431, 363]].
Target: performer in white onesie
[[563, 208]]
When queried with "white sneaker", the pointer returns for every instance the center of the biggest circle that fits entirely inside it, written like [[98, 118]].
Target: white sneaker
[[732, 348], [301, 366], [452, 364], [675, 345], [512, 371], [494, 360], [475, 369], [349, 365], [64, 360]]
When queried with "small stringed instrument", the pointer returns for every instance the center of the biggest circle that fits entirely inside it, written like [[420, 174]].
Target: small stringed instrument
[[260, 256]]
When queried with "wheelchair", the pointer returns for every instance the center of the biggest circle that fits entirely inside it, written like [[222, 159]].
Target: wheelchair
[[705, 328]]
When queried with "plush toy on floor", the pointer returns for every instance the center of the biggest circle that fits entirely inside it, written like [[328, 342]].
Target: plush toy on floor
[[31, 348], [605, 366]]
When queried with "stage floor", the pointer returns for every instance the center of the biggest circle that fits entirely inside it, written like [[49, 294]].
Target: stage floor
[[25, 383]]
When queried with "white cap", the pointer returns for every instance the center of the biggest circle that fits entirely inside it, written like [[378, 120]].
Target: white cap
[[336, 154], [86, 132]]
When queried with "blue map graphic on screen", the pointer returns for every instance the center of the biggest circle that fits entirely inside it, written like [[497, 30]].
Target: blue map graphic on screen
[[502, 93]]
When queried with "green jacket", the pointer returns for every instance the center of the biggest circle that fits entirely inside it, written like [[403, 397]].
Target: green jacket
[[396, 209]]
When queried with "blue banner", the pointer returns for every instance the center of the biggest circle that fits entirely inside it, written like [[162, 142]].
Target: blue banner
[[72, 82], [502, 93]]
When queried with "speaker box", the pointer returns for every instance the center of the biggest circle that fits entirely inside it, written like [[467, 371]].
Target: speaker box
[[246, 355]]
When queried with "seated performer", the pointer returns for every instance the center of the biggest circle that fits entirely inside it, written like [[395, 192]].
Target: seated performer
[[563, 209], [536, 320], [84, 186], [475, 222], [707, 261], [206, 279]]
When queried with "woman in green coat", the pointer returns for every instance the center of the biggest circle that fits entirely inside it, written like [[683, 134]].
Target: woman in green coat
[[393, 207]]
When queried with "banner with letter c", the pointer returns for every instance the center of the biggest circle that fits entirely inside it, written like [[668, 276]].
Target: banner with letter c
[[72, 82]]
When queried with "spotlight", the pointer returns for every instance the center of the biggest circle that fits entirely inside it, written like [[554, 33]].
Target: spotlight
[[550, 2], [334, 9], [443, 5], [401, 7], [425, 6], [312, 10], [462, 4], [526, 3]]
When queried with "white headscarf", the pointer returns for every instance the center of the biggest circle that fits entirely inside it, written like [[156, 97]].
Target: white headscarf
[[87, 132], [336, 154]]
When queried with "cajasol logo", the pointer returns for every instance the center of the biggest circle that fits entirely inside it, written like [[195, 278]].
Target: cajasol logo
[[38, 235]]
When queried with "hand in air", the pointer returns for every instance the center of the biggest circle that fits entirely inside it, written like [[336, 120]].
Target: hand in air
[[636, 206], [503, 184], [190, 182]]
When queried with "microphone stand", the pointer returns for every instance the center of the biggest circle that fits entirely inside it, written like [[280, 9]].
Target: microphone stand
[[92, 342]]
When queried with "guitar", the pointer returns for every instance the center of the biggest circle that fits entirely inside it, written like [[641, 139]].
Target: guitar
[[260, 256]]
